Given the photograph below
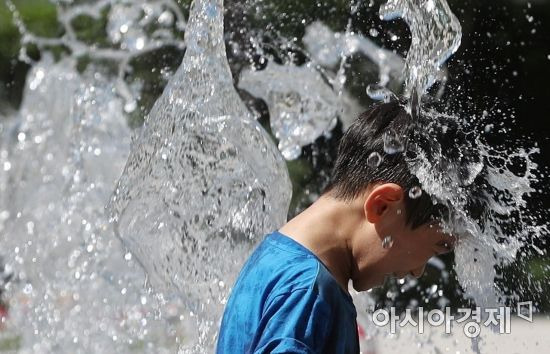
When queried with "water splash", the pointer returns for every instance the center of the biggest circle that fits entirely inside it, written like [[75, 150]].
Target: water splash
[[374, 160], [203, 179], [436, 35], [57, 241], [8, 137], [299, 114], [486, 200], [415, 192], [64, 150], [41, 134], [393, 143], [125, 29], [327, 48]]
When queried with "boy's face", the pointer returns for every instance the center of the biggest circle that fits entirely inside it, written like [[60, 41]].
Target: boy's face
[[412, 249], [398, 250]]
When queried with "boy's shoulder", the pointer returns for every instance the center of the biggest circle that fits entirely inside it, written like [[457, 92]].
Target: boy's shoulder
[[284, 290], [282, 263], [280, 266]]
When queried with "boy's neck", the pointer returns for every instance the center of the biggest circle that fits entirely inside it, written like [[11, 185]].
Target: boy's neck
[[328, 228]]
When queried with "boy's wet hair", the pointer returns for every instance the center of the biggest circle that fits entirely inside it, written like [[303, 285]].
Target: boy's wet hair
[[352, 173]]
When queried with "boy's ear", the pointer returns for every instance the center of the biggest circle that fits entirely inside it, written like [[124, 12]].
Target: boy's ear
[[380, 200]]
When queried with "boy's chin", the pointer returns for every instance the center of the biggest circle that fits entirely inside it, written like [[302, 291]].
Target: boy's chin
[[368, 285], [358, 286], [383, 280]]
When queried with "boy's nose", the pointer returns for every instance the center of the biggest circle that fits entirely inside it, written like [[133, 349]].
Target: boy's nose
[[417, 273]]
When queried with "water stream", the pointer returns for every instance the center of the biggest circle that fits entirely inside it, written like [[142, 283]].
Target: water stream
[[191, 192], [203, 181]]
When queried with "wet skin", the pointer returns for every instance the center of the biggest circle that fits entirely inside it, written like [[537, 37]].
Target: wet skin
[[348, 237]]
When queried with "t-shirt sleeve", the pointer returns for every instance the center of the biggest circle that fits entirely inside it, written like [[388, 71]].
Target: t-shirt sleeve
[[284, 346], [294, 322]]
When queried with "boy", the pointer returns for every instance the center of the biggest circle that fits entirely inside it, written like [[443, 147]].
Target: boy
[[371, 222]]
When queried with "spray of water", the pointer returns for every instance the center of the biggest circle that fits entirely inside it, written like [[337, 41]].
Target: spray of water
[[126, 23], [69, 283], [327, 48], [57, 241], [299, 114], [203, 182], [482, 186], [436, 35], [486, 200]]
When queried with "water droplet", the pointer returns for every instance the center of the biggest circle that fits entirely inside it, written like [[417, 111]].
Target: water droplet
[[4, 215], [128, 256], [392, 143], [130, 106], [27, 289], [374, 160], [291, 153], [373, 32], [140, 43], [415, 192], [387, 242], [166, 18]]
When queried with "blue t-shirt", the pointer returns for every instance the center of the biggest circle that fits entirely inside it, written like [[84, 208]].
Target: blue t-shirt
[[286, 301]]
